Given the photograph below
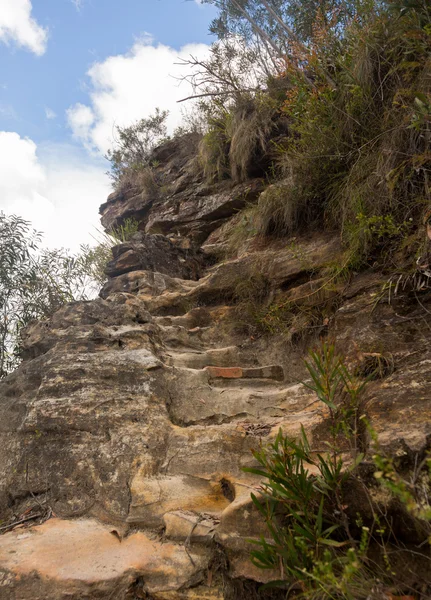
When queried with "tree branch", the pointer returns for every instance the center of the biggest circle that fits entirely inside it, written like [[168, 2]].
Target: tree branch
[[227, 93]]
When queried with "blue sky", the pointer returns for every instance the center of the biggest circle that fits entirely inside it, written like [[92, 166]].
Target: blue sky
[[69, 71]]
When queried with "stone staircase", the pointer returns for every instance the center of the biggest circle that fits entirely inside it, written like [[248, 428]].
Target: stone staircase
[[125, 433], [215, 402]]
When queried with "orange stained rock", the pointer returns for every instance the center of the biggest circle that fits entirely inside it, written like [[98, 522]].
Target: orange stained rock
[[85, 550], [225, 372]]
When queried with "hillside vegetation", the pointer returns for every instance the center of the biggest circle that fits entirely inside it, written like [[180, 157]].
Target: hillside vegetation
[[330, 103], [344, 130]]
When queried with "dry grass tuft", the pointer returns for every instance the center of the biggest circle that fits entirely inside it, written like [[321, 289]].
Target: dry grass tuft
[[238, 141], [141, 179]]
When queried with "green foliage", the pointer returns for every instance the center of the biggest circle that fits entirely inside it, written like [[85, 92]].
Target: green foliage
[[249, 133], [300, 492], [96, 258], [292, 320], [341, 391], [413, 494], [376, 234], [280, 210], [253, 17], [360, 159], [355, 92], [125, 231], [238, 136], [315, 542], [132, 149], [214, 147], [34, 283], [16, 243]]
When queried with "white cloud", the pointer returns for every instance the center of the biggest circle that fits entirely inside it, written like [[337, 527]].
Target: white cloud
[[130, 86], [18, 26], [81, 119], [77, 4], [55, 187], [50, 114]]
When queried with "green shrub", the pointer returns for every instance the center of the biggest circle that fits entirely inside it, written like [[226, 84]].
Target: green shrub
[[35, 282], [316, 543], [132, 148], [249, 132], [125, 231], [280, 210], [358, 148], [214, 147], [298, 509]]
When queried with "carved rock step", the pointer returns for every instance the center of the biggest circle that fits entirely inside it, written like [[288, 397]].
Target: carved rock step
[[175, 336], [83, 558], [214, 358], [196, 399], [273, 372], [200, 316]]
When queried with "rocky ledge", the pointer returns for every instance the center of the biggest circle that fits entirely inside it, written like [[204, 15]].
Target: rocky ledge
[[125, 431]]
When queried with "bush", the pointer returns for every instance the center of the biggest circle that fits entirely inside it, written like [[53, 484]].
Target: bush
[[309, 548], [130, 155], [214, 147], [280, 210], [318, 543], [35, 282], [360, 146], [357, 103]]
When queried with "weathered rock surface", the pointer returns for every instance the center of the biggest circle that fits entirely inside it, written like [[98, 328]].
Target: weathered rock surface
[[85, 559], [181, 202], [132, 416], [154, 253]]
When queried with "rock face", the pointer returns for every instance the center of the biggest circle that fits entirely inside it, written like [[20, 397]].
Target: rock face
[[180, 202], [132, 416], [155, 253]]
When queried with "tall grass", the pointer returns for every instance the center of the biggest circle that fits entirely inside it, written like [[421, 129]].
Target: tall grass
[[355, 154], [238, 137], [360, 148]]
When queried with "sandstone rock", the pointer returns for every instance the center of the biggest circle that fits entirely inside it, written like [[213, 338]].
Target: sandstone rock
[[183, 526], [176, 170], [146, 283], [197, 212], [82, 409], [85, 559], [154, 253], [86, 325], [396, 405], [153, 497], [182, 202]]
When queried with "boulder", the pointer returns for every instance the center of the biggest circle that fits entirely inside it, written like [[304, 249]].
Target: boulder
[[154, 253]]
